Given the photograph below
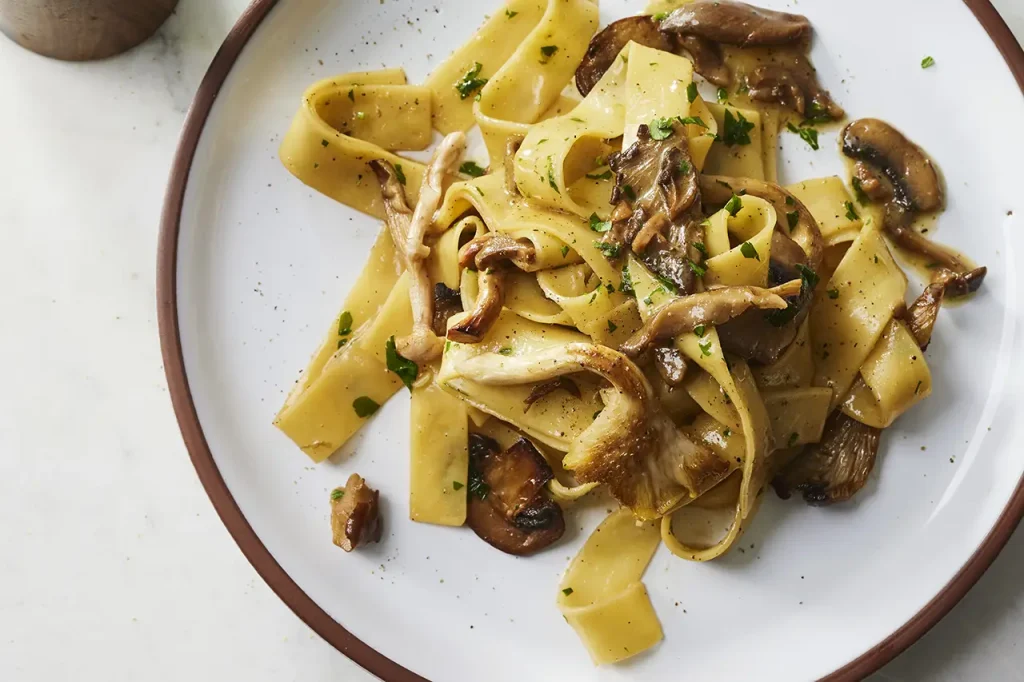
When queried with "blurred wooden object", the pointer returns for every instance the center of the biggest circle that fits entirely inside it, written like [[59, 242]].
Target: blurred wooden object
[[79, 30]]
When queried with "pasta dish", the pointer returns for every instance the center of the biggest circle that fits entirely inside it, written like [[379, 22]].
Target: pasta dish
[[618, 297]]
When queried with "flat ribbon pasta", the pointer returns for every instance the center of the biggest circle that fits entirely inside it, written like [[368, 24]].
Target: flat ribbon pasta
[[601, 594], [331, 158]]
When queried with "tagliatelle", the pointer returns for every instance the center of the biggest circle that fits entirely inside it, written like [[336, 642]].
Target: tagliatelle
[[673, 350]]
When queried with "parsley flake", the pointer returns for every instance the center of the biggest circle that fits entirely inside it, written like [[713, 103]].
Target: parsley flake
[[471, 81], [626, 286], [850, 213], [457, 486], [399, 174], [699, 331], [734, 205], [600, 176], [833, 293], [698, 270], [660, 128], [598, 225], [406, 369], [807, 134], [692, 120], [567, 591], [705, 347], [858, 191], [551, 176], [691, 92], [926, 62], [792, 218], [337, 494], [510, 14], [612, 327], [736, 130], [748, 251], [472, 169], [609, 250], [364, 406]]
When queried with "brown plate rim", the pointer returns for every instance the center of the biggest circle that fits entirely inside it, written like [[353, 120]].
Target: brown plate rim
[[244, 535]]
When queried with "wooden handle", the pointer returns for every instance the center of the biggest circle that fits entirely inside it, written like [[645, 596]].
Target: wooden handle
[[78, 30]]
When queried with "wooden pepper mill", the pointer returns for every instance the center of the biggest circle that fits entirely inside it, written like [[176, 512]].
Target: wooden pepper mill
[[79, 30]]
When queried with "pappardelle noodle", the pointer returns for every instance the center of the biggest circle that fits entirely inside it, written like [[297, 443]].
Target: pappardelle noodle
[[622, 297]]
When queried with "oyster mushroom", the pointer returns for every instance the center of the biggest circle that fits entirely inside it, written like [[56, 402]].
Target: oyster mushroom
[[408, 230], [922, 313], [548, 387], [737, 23], [707, 59], [491, 254], [508, 507], [512, 145], [355, 514], [657, 199], [834, 469], [709, 308], [648, 464]]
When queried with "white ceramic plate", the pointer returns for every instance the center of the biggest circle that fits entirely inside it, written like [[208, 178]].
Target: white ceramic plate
[[253, 265]]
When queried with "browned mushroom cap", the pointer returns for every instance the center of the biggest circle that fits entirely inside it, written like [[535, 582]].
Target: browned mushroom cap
[[915, 183], [507, 506], [489, 301], [961, 283], [447, 302], [355, 515], [834, 469], [709, 308], [737, 23], [794, 85], [606, 45], [496, 249], [707, 58], [540, 390]]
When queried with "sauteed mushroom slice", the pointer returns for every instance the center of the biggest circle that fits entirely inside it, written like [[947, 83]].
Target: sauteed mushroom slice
[[915, 183], [606, 45], [447, 302], [737, 23], [355, 514], [508, 507]]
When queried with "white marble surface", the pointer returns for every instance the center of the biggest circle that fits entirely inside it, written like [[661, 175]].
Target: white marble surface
[[113, 564]]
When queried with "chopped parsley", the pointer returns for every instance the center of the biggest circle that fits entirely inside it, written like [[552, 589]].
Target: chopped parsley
[[833, 293], [337, 494], [808, 277], [352, 94], [736, 130], [734, 205], [567, 591], [597, 414], [565, 251], [807, 134], [609, 250], [505, 351], [926, 62], [790, 201], [699, 331], [701, 248], [858, 191], [510, 13], [748, 251], [705, 347], [628, 191], [626, 286], [723, 95], [472, 169], [698, 270], [693, 120], [600, 176], [659, 17], [345, 324], [548, 51], [610, 288], [457, 486], [684, 167], [850, 213], [406, 369], [399, 174], [324, 143], [691, 92], [660, 128], [792, 218], [598, 225], [364, 406], [727, 432], [551, 176], [612, 327], [471, 81]]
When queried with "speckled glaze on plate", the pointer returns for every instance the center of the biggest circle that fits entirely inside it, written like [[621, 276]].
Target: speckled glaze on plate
[[252, 266]]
